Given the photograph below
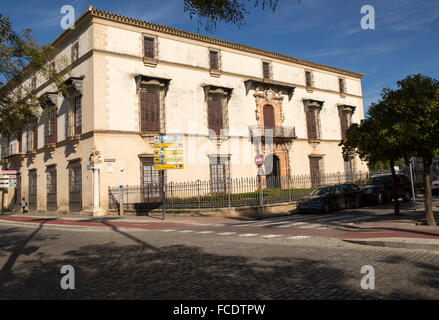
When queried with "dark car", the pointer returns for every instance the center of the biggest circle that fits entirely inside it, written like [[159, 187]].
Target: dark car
[[333, 197], [378, 189]]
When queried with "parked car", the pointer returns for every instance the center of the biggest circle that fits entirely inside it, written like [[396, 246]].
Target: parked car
[[378, 188], [331, 197], [435, 186]]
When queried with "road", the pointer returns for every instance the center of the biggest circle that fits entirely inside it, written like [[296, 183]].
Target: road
[[280, 258]]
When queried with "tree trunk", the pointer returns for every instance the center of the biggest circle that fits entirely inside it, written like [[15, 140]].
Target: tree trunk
[[394, 187], [427, 192]]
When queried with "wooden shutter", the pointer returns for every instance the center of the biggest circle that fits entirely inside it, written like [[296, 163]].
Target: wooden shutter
[[344, 125], [150, 111], [311, 124], [341, 85], [215, 115], [53, 124], [269, 121], [308, 78], [35, 146], [148, 47], [214, 60], [78, 114], [266, 70]]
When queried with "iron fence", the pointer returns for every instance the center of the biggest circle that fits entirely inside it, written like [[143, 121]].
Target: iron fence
[[234, 192]]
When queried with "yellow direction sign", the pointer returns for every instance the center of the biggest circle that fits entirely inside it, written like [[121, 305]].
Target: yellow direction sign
[[168, 152], [168, 145], [168, 166], [168, 159]]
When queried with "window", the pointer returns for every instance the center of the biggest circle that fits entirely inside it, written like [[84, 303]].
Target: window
[[309, 78], [51, 188], [32, 190], [215, 113], [218, 174], [342, 85], [151, 181], [344, 124], [50, 125], [315, 167], [149, 47], [75, 52], [34, 83], [77, 114], [312, 124], [75, 186], [53, 66], [266, 70], [150, 109], [214, 59], [75, 179]]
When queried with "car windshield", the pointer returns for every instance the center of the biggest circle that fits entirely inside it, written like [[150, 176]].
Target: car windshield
[[321, 191], [376, 180]]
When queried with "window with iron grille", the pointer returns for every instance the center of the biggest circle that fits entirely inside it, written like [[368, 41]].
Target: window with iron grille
[[50, 125], [150, 109], [75, 178], [29, 139], [32, 183], [214, 59], [151, 180], [35, 137], [342, 85], [77, 111], [51, 181], [75, 52], [218, 174], [266, 70], [309, 78], [34, 83], [149, 47]]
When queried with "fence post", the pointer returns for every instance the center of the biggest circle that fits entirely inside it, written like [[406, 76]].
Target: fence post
[[289, 188], [172, 195], [198, 193], [228, 191]]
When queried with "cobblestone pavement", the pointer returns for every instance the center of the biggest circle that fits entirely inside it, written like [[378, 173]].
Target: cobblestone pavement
[[116, 263]]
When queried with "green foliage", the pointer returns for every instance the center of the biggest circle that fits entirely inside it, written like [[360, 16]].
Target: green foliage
[[20, 58], [229, 11]]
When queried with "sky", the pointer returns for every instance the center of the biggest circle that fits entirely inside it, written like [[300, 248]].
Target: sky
[[405, 39]]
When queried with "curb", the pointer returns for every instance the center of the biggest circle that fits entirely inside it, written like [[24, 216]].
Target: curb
[[400, 244]]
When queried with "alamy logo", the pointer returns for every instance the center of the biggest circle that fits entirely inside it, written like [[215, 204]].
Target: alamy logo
[[68, 281], [68, 20], [368, 21], [368, 281]]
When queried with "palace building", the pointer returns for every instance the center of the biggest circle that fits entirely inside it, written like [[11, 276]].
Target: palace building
[[130, 80]]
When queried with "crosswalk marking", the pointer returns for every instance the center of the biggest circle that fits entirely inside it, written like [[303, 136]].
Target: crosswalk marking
[[271, 236], [298, 237], [226, 233], [186, 231], [247, 235], [168, 230], [203, 232]]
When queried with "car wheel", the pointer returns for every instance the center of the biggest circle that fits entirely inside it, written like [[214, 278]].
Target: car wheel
[[406, 196], [326, 207], [380, 198]]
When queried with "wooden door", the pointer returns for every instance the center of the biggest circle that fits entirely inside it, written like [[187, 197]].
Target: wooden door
[[311, 124], [314, 164], [151, 181], [215, 114], [32, 191], [269, 121], [150, 110], [51, 187], [75, 187]]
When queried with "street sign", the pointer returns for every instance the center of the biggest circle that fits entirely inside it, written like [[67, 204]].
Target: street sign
[[171, 138], [259, 160], [169, 145], [169, 159], [168, 166], [166, 152], [8, 172], [8, 179]]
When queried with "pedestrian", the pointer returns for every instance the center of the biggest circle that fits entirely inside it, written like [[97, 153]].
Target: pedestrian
[[23, 205]]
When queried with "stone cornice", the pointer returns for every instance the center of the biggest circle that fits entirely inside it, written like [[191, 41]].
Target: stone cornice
[[93, 12]]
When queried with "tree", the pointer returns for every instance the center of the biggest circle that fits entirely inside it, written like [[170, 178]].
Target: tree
[[416, 105], [375, 140], [229, 11], [21, 57]]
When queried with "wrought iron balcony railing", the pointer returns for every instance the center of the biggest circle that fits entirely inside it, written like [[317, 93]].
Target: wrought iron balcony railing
[[275, 132]]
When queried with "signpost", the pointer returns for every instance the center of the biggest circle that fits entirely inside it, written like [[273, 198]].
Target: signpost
[[259, 161], [8, 179], [168, 155]]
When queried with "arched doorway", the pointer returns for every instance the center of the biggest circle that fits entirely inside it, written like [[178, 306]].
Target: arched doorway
[[272, 171]]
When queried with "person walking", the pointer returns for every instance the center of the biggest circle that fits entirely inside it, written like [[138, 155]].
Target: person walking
[[23, 205]]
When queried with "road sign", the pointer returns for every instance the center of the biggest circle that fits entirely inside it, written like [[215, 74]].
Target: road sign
[[173, 152], [8, 172], [170, 145], [259, 160], [171, 138], [168, 166], [169, 159]]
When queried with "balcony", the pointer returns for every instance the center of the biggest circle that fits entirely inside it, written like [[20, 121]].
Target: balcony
[[278, 132]]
